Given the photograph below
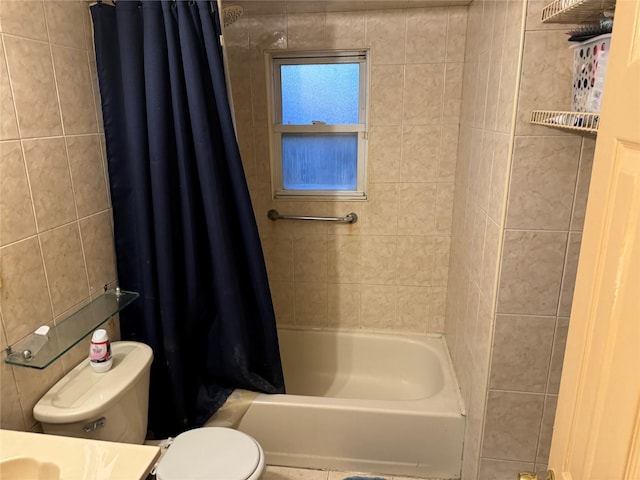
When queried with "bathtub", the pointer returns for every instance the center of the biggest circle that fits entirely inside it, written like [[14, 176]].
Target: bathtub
[[366, 402]]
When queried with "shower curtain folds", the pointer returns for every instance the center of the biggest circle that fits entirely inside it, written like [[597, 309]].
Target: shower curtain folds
[[185, 234]]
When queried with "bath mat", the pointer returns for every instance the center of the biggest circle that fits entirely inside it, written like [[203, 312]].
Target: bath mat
[[364, 478]]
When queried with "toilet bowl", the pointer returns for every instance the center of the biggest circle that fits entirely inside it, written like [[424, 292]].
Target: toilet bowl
[[212, 453], [113, 406]]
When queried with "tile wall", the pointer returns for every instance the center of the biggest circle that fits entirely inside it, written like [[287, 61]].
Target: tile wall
[[389, 271], [489, 92], [56, 241], [520, 196], [549, 183]]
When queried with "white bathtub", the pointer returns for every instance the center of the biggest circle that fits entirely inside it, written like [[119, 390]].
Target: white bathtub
[[366, 402]]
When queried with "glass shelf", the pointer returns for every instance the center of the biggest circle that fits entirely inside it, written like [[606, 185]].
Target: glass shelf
[[576, 11], [39, 351], [573, 121]]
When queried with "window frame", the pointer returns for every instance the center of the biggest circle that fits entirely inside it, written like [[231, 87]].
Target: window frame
[[276, 58]]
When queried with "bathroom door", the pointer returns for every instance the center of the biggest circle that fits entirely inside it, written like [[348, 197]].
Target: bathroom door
[[597, 428]]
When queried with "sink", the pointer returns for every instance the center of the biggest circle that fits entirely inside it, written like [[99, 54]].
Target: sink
[[39, 456], [19, 468]]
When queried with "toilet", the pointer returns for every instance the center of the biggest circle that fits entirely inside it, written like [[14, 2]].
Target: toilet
[[113, 406]]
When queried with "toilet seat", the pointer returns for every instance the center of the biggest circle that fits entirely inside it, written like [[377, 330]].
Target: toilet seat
[[212, 453]]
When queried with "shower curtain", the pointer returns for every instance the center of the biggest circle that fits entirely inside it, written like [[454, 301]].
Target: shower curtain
[[185, 234]]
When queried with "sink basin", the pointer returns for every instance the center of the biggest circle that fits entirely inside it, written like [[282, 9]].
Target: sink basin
[[19, 468], [36, 456]]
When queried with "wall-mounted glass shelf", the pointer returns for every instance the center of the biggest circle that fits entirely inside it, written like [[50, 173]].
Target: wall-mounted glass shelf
[[576, 11], [574, 121], [39, 351]]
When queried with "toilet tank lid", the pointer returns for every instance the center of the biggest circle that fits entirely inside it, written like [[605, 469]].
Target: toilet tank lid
[[83, 393]]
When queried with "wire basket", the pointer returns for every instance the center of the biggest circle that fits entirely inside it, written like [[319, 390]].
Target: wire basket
[[589, 68]]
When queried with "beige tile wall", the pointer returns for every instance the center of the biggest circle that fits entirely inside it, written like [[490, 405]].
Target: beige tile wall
[[519, 207], [548, 186], [56, 240], [388, 271], [489, 90]]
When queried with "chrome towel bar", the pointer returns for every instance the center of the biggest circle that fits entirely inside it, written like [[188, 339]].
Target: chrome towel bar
[[348, 218]]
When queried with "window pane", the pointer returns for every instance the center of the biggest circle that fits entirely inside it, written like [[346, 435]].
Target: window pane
[[327, 93], [320, 161]]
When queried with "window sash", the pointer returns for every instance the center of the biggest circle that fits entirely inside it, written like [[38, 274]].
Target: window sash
[[280, 59], [280, 191], [326, 161]]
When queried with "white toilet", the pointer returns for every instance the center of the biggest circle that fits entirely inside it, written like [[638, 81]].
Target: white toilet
[[113, 406]]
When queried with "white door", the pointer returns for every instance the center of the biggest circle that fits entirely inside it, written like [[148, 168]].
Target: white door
[[597, 428]]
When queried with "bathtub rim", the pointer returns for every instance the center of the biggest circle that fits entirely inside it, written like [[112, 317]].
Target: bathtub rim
[[441, 403]]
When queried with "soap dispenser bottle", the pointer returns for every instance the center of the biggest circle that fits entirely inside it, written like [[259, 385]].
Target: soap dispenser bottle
[[100, 351]]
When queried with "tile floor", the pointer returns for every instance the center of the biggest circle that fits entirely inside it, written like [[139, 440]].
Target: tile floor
[[286, 473], [289, 473]]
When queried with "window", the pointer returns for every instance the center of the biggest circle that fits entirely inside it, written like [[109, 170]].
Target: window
[[318, 128]]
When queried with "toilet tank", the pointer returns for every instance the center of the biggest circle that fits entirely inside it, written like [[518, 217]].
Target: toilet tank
[[108, 406]]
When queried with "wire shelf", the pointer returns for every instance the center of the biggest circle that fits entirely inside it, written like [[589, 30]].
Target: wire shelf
[[575, 11], [574, 121]]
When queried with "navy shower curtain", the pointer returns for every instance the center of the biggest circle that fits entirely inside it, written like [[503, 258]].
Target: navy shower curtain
[[185, 233]]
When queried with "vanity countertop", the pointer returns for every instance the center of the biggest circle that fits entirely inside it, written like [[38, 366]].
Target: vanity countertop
[[81, 459]]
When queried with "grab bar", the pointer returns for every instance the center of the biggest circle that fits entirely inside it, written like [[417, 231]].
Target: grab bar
[[348, 218]]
